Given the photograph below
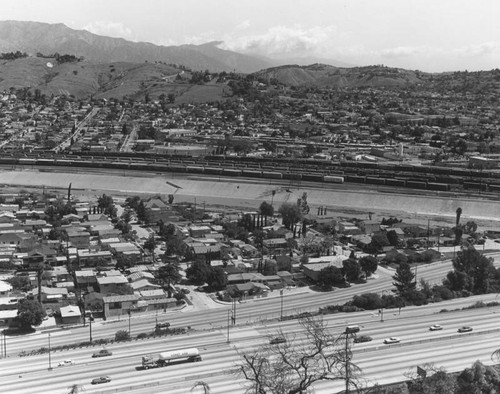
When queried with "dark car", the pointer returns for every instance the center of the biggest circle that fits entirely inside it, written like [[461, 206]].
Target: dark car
[[102, 353], [465, 329], [101, 379], [362, 338], [163, 325], [275, 341]]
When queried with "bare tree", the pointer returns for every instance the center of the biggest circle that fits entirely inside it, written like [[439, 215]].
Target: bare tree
[[292, 367]]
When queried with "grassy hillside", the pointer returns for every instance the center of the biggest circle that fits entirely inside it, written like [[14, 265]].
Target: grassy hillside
[[83, 79]]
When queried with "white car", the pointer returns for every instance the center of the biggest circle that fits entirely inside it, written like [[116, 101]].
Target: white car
[[392, 340], [65, 363], [435, 327]]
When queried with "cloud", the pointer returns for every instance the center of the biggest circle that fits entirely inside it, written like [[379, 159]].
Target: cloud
[[243, 25], [482, 49], [404, 51], [110, 29], [283, 40]]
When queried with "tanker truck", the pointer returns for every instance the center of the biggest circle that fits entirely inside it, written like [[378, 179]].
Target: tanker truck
[[173, 357]]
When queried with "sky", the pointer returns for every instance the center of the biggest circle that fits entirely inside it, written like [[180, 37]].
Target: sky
[[426, 35]]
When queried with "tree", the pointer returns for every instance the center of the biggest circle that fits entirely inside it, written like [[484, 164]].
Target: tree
[[473, 272], [291, 215], [432, 380], [21, 283], [266, 209], [293, 367], [198, 272], [150, 245], [478, 379], [330, 276], [106, 203], [369, 264], [351, 270], [217, 279], [29, 313], [169, 274], [404, 280]]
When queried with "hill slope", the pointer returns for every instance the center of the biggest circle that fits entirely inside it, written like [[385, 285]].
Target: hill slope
[[325, 75]]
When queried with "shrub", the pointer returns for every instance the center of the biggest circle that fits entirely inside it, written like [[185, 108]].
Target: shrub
[[122, 335]]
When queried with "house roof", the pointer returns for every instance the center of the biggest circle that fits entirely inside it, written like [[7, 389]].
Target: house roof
[[70, 311], [120, 298], [115, 279]]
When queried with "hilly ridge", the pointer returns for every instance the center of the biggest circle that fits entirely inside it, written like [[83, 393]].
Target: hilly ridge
[[34, 37]]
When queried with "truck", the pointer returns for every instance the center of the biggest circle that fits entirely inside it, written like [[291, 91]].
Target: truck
[[173, 357]]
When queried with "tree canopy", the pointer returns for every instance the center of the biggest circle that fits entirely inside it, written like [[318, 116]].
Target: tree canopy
[[30, 313]]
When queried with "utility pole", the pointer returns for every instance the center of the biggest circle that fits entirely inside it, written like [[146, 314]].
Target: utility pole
[[50, 364], [346, 362], [228, 318], [281, 308], [349, 330]]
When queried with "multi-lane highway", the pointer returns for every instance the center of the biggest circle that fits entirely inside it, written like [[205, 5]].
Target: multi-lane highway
[[256, 321]]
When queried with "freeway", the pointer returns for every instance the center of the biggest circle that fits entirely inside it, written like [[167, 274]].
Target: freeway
[[380, 363]]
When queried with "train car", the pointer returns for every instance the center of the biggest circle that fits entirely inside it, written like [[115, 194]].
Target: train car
[[8, 160], [231, 172], [416, 184], [293, 176], [447, 179], [375, 181], [468, 185], [213, 170], [177, 168], [28, 161], [333, 179], [494, 187], [272, 175], [48, 162], [395, 182], [122, 165], [312, 177], [251, 173], [443, 187], [195, 169], [355, 178]]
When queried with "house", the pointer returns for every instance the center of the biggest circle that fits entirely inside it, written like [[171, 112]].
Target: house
[[70, 314], [51, 294], [5, 289], [144, 285], [112, 284], [118, 305], [86, 279], [21, 240], [313, 269]]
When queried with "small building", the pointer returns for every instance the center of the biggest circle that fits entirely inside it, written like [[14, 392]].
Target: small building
[[118, 305], [70, 314]]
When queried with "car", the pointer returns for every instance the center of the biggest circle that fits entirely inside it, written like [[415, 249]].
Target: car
[[65, 363], [276, 340], [101, 379], [102, 353], [392, 340], [362, 338], [435, 327], [163, 325], [465, 329]]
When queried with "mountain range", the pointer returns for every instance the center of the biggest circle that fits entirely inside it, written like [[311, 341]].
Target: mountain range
[[45, 38]]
